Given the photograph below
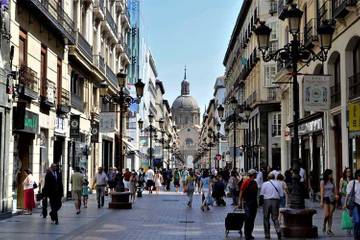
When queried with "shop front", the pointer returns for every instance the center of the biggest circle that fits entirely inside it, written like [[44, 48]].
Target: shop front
[[25, 127], [311, 151]]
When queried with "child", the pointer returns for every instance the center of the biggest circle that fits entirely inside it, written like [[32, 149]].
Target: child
[[85, 192], [132, 185]]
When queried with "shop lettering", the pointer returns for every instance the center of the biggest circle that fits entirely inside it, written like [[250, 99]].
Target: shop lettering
[[30, 123]]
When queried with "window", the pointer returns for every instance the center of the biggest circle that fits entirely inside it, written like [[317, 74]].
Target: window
[[22, 48], [276, 125], [59, 79], [270, 72], [189, 142], [273, 46], [273, 35], [335, 90], [77, 84], [356, 56]]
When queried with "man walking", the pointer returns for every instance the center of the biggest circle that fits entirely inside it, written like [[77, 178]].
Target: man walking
[[53, 189], [77, 180], [184, 175], [248, 200], [100, 181], [271, 191]]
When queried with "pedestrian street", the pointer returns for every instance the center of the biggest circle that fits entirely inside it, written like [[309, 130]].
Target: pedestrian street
[[164, 217]]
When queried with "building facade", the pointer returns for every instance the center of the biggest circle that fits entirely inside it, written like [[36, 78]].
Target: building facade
[[250, 81]]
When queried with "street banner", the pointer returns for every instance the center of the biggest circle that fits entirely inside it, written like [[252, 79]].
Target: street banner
[[107, 122], [74, 126], [316, 92], [354, 117], [95, 132]]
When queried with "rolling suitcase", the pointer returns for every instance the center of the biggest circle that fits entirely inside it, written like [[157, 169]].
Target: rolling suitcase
[[234, 221]]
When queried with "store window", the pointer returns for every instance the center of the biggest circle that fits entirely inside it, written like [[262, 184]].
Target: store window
[[276, 125]]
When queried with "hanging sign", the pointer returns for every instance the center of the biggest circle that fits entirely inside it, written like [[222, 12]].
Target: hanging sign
[[107, 122], [316, 92], [95, 132], [354, 117], [74, 126]]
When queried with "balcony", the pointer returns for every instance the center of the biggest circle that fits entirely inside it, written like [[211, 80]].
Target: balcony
[[47, 93], [99, 9], [77, 102], [335, 96], [111, 76], [251, 99], [28, 86], [84, 47], [120, 44], [99, 63], [273, 8], [119, 5], [111, 22], [127, 53], [310, 33], [125, 16], [272, 94], [354, 86], [51, 14], [341, 8], [324, 13], [282, 8], [63, 103]]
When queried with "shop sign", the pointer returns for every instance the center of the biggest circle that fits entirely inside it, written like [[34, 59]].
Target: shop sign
[[354, 117], [74, 126], [26, 121], [60, 126], [309, 127], [107, 122], [316, 93], [95, 132]]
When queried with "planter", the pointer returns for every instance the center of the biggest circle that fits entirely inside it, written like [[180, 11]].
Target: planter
[[120, 200]]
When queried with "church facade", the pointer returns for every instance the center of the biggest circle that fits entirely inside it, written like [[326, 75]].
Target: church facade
[[186, 114]]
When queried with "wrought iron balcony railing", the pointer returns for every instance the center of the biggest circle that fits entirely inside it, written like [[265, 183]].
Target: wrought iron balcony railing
[[52, 15], [84, 46], [63, 102], [111, 75], [99, 63], [340, 7], [354, 86], [111, 22], [28, 86]]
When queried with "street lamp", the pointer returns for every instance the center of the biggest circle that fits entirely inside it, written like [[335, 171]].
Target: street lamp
[[218, 127], [295, 52], [123, 99]]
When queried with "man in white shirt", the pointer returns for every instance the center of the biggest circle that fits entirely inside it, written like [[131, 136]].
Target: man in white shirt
[[100, 181], [356, 210], [302, 174], [259, 179], [150, 179], [271, 192]]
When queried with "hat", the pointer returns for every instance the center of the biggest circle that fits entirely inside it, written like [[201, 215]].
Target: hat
[[252, 172]]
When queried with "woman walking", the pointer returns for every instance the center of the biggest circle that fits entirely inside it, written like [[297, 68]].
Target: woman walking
[[234, 187], [205, 189], [328, 200], [190, 187], [132, 185], [29, 199], [283, 198], [344, 181], [158, 179], [177, 177]]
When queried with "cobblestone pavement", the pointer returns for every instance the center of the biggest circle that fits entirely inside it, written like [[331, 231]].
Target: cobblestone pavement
[[163, 217]]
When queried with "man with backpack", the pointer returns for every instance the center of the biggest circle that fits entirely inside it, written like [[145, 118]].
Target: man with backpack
[[248, 201], [190, 187]]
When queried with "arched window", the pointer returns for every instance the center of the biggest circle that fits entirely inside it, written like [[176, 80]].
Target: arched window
[[189, 142], [336, 88]]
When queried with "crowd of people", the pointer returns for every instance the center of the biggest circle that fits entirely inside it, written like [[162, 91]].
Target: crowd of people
[[265, 187]]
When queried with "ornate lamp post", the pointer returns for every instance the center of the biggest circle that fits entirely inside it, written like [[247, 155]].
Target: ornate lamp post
[[295, 52], [162, 140], [218, 127], [123, 99]]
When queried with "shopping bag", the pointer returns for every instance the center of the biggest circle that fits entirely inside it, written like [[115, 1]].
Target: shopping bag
[[346, 221]]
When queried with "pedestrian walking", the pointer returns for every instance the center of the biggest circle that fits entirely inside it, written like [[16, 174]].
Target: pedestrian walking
[[111, 178], [284, 196], [150, 180], [77, 180], [248, 201], [53, 189], [234, 187], [132, 185], [328, 200], [352, 202], [184, 175], [141, 178], [218, 192], [190, 187], [169, 176], [85, 192], [126, 178], [177, 177], [29, 197], [205, 190], [158, 179], [271, 191], [344, 181], [100, 182]]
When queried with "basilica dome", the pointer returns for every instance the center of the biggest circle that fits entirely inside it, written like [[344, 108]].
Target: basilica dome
[[185, 103]]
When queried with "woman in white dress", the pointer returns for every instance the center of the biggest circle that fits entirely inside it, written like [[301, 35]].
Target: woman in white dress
[[158, 179]]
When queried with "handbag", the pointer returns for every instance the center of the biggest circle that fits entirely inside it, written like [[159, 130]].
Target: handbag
[[346, 221], [351, 201], [35, 185]]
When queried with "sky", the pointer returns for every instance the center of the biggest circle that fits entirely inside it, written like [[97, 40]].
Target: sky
[[194, 33]]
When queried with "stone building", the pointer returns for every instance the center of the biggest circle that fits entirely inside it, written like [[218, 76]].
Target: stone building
[[186, 114]]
